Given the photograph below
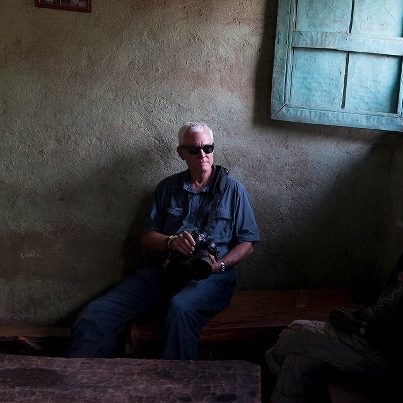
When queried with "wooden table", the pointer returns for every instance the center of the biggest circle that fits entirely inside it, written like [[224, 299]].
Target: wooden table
[[46, 379]]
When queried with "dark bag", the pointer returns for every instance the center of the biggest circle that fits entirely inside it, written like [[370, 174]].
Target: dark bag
[[385, 310], [349, 321]]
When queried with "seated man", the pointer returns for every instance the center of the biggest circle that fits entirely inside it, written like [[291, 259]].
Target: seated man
[[193, 279], [367, 341]]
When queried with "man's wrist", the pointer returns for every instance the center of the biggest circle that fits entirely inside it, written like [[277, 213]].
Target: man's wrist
[[170, 240], [222, 267]]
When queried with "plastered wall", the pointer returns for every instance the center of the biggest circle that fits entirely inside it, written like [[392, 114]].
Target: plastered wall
[[89, 110]]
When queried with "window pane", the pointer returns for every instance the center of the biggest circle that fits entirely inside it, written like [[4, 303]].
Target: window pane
[[320, 16], [317, 78], [369, 88], [378, 17]]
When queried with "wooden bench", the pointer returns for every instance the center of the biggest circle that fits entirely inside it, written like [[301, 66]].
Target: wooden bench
[[9, 332], [32, 336], [251, 315]]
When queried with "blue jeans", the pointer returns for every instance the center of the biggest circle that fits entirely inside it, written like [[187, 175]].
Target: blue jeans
[[188, 308]]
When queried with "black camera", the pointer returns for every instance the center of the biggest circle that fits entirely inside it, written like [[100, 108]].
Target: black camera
[[200, 264]]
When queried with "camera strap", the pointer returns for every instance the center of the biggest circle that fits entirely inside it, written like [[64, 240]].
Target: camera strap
[[219, 185]]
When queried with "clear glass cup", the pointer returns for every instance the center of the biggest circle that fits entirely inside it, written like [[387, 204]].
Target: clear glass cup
[[301, 299]]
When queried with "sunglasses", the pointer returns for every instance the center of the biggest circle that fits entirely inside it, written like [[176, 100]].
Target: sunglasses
[[194, 150]]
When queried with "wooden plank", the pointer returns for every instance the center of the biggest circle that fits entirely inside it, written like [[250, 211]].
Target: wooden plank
[[400, 100], [348, 42], [33, 331], [282, 59], [381, 121]]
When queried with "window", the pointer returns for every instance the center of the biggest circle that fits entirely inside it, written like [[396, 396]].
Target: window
[[339, 62]]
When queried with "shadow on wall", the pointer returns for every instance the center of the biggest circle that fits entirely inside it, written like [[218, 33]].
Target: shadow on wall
[[328, 226], [63, 246], [264, 67], [333, 226], [132, 253]]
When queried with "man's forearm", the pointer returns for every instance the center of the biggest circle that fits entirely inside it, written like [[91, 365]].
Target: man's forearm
[[237, 253], [154, 241]]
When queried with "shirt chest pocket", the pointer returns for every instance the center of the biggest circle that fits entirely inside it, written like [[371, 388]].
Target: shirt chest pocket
[[173, 219], [223, 223]]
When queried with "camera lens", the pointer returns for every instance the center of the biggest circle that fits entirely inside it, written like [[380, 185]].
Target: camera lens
[[201, 267]]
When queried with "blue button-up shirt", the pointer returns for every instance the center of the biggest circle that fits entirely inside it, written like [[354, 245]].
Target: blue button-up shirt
[[176, 208]]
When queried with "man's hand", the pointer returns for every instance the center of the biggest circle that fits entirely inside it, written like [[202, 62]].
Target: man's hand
[[183, 243], [157, 242], [215, 266]]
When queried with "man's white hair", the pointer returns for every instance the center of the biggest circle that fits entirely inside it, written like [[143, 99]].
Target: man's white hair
[[194, 127]]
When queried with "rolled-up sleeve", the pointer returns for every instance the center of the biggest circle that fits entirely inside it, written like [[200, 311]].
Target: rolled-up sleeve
[[245, 227]]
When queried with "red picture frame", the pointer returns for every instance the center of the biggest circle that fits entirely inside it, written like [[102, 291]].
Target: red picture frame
[[71, 5]]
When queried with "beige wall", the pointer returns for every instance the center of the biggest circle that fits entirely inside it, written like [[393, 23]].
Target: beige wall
[[90, 106]]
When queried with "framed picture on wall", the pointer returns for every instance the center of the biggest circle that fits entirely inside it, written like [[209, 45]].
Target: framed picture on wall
[[72, 5]]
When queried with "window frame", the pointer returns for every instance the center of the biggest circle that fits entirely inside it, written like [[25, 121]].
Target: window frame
[[288, 39]]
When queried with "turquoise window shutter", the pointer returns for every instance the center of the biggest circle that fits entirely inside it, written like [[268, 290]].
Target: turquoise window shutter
[[339, 63]]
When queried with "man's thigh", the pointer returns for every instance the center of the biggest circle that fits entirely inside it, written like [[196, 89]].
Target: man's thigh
[[208, 296], [142, 291]]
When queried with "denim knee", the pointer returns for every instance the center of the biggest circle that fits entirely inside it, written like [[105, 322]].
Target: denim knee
[[180, 307], [93, 309]]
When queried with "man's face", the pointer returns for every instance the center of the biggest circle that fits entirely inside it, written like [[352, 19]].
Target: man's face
[[200, 161]]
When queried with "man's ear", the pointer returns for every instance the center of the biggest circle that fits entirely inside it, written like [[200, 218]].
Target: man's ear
[[180, 152]]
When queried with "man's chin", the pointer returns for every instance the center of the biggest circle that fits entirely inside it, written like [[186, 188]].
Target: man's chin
[[202, 166], [205, 166]]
